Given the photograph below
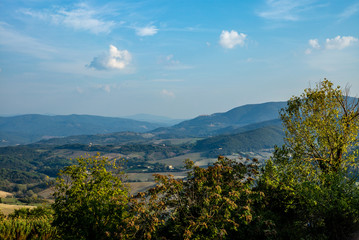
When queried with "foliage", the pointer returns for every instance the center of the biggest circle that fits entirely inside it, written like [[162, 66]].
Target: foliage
[[252, 140], [29, 229], [310, 183], [214, 202], [90, 200], [28, 224], [322, 126], [38, 212]]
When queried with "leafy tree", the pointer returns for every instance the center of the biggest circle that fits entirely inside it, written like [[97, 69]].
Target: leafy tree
[[322, 126], [212, 203], [310, 184], [91, 200]]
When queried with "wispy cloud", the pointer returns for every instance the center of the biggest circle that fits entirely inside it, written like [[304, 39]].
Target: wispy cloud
[[288, 10], [167, 80], [168, 93], [83, 17], [169, 62], [114, 59], [18, 42], [349, 11], [146, 31], [231, 39], [106, 87]]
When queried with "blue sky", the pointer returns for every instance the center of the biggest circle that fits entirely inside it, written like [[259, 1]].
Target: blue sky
[[172, 58]]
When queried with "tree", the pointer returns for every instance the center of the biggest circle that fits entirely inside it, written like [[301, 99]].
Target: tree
[[310, 183], [90, 200], [211, 203], [322, 126]]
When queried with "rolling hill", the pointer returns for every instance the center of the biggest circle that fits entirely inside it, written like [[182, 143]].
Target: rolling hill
[[217, 123], [250, 141], [26, 129]]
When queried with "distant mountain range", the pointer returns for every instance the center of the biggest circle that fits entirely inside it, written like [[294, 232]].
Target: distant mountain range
[[220, 123], [26, 129], [155, 119]]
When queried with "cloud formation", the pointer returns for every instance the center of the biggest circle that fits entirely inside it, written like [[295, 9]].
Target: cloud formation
[[170, 63], [340, 42], [81, 18], [349, 11], [231, 39], [18, 42], [286, 9], [146, 31], [114, 59], [167, 93], [314, 43]]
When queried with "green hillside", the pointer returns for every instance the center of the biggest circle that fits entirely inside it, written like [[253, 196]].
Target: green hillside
[[253, 140]]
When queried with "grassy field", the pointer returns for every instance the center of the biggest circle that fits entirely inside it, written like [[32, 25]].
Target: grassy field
[[4, 194], [9, 208], [136, 187], [148, 177], [179, 160]]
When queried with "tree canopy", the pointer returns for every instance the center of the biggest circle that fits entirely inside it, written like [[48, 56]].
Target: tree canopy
[[322, 126], [91, 200]]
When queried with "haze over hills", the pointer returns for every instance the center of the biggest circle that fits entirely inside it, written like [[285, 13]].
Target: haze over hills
[[155, 119], [217, 123], [25, 129]]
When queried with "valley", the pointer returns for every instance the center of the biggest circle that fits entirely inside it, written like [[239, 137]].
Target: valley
[[30, 165]]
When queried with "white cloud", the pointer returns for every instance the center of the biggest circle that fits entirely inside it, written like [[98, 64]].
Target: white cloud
[[231, 39], [81, 18], [340, 42], [146, 31], [314, 43], [167, 93], [114, 59]]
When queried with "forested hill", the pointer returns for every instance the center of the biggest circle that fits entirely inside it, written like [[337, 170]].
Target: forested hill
[[216, 123], [253, 140], [25, 129]]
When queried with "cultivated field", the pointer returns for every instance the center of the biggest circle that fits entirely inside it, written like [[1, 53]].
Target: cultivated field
[[8, 208]]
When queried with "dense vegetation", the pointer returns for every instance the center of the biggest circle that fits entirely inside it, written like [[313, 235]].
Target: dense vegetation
[[242, 142], [307, 190]]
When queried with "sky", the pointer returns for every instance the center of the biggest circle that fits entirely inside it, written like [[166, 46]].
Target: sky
[[177, 58]]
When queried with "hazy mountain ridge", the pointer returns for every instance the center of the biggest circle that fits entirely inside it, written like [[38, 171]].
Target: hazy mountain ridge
[[25, 129], [208, 125], [155, 119], [30, 128]]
